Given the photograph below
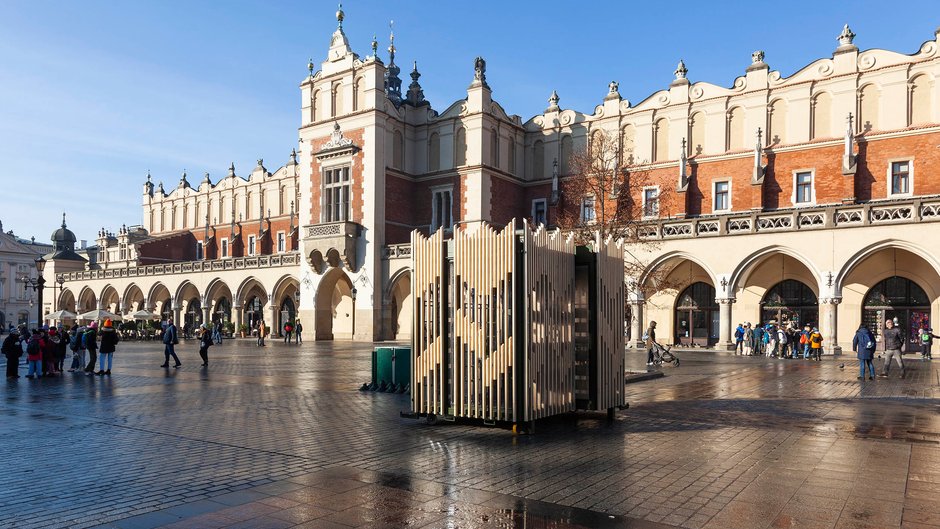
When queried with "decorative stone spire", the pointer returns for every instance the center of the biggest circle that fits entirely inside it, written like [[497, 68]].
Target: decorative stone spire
[[683, 161], [160, 189], [231, 170], [206, 180], [310, 67], [681, 70], [759, 168], [415, 95], [846, 37], [848, 156], [757, 61], [63, 220], [553, 103], [392, 81], [556, 194], [339, 44], [340, 16], [375, 50], [183, 182], [293, 157], [148, 185], [479, 73]]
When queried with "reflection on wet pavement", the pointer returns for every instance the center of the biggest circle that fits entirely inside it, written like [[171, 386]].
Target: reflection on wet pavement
[[280, 437]]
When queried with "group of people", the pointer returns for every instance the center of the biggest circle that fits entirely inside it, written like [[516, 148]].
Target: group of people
[[864, 345], [292, 331], [46, 349], [778, 341], [207, 338]]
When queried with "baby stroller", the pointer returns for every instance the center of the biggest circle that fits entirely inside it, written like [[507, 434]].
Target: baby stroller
[[664, 354]]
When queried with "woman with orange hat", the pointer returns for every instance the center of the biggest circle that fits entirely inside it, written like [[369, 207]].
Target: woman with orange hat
[[109, 340]]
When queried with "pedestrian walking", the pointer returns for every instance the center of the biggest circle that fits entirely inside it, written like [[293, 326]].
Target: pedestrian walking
[[815, 344], [109, 341], [205, 341], [804, 341], [298, 328], [864, 346], [926, 341], [62, 348], [650, 338], [170, 339], [750, 343], [894, 342], [288, 329], [34, 354], [739, 339], [12, 351], [217, 332], [90, 341], [262, 331]]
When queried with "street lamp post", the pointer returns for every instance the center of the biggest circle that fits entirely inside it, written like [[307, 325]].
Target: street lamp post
[[37, 285], [353, 334]]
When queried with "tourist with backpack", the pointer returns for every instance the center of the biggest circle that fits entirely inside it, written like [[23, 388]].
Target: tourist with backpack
[[298, 328], [12, 350], [205, 341], [864, 345], [50, 347], [804, 341], [288, 329], [926, 341], [75, 345], [34, 355], [750, 341], [90, 342], [815, 344], [739, 339], [894, 343]]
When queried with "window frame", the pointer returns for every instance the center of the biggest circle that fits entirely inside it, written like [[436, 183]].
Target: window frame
[[200, 251], [544, 203], [281, 242], [224, 248], [889, 180], [727, 193], [252, 245], [326, 193], [437, 213], [812, 188], [656, 213], [584, 201]]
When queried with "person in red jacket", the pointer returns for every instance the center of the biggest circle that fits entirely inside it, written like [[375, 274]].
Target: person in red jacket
[[34, 354]]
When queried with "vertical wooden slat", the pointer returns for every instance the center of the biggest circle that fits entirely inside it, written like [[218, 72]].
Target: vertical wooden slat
[[610, 313]]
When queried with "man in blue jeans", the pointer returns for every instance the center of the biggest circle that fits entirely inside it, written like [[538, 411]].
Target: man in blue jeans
[[170, 339]]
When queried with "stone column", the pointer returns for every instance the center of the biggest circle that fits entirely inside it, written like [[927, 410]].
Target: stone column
[[271, 320], [206, 315], [636, 324], [829, 324], [725, 324], [238, 317], [176, 314]]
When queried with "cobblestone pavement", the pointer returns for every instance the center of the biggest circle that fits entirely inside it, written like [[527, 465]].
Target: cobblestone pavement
[[280, 437]]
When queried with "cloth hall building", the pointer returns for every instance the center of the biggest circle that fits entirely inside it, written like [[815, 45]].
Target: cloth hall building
[[810, 198]]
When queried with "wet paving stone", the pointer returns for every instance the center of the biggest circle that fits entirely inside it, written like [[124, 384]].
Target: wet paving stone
[[280, 437]]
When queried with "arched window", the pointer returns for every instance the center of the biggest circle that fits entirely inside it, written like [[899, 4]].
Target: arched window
[[697, 134], [628, 144], [434, 152], [250, 207], [821, 119], [920, 100], [460, 147], [734, 140], [790, 301], [314, 107], [359, 94], [185, 215], [597, 143], [896, 298], [564, 163], [337, 99], [697, 315], [398, 146], [280, 200], [868, 108], [512, 156], [494, 148], [538, 160], [661, 140], [777, 132]]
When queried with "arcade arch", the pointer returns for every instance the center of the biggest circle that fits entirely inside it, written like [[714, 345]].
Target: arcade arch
[[87, 300], [400, 307], [286, 296], [133, 299], [335, 316]]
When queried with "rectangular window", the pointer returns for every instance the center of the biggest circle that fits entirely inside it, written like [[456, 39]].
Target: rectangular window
[[251, 245], [722, 196], [651, 202], [281, 242], [198, 251], [224, 247], [336, 194], [442, 207], [588, 214], [539, 211], [901, 177], [804, 188]]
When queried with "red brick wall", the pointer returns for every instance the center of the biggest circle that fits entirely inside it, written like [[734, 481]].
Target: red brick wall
[[871, 177], [508, 200]]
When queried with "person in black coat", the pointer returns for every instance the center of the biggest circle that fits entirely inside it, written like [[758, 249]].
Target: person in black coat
[[205, 341], [13, 351], [864, 345]]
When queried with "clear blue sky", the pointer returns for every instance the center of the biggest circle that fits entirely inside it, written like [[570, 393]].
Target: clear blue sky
[[93, 94]]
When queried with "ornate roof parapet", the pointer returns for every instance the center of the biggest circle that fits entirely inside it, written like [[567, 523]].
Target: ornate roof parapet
[[681, 72], [613, 91], [231, 170], [415, 95], [553, 102], [845, 40], [757, 61], [206, 179], [339, 44], [183, 182], [293, 158], [337, 146], [148, 186]]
